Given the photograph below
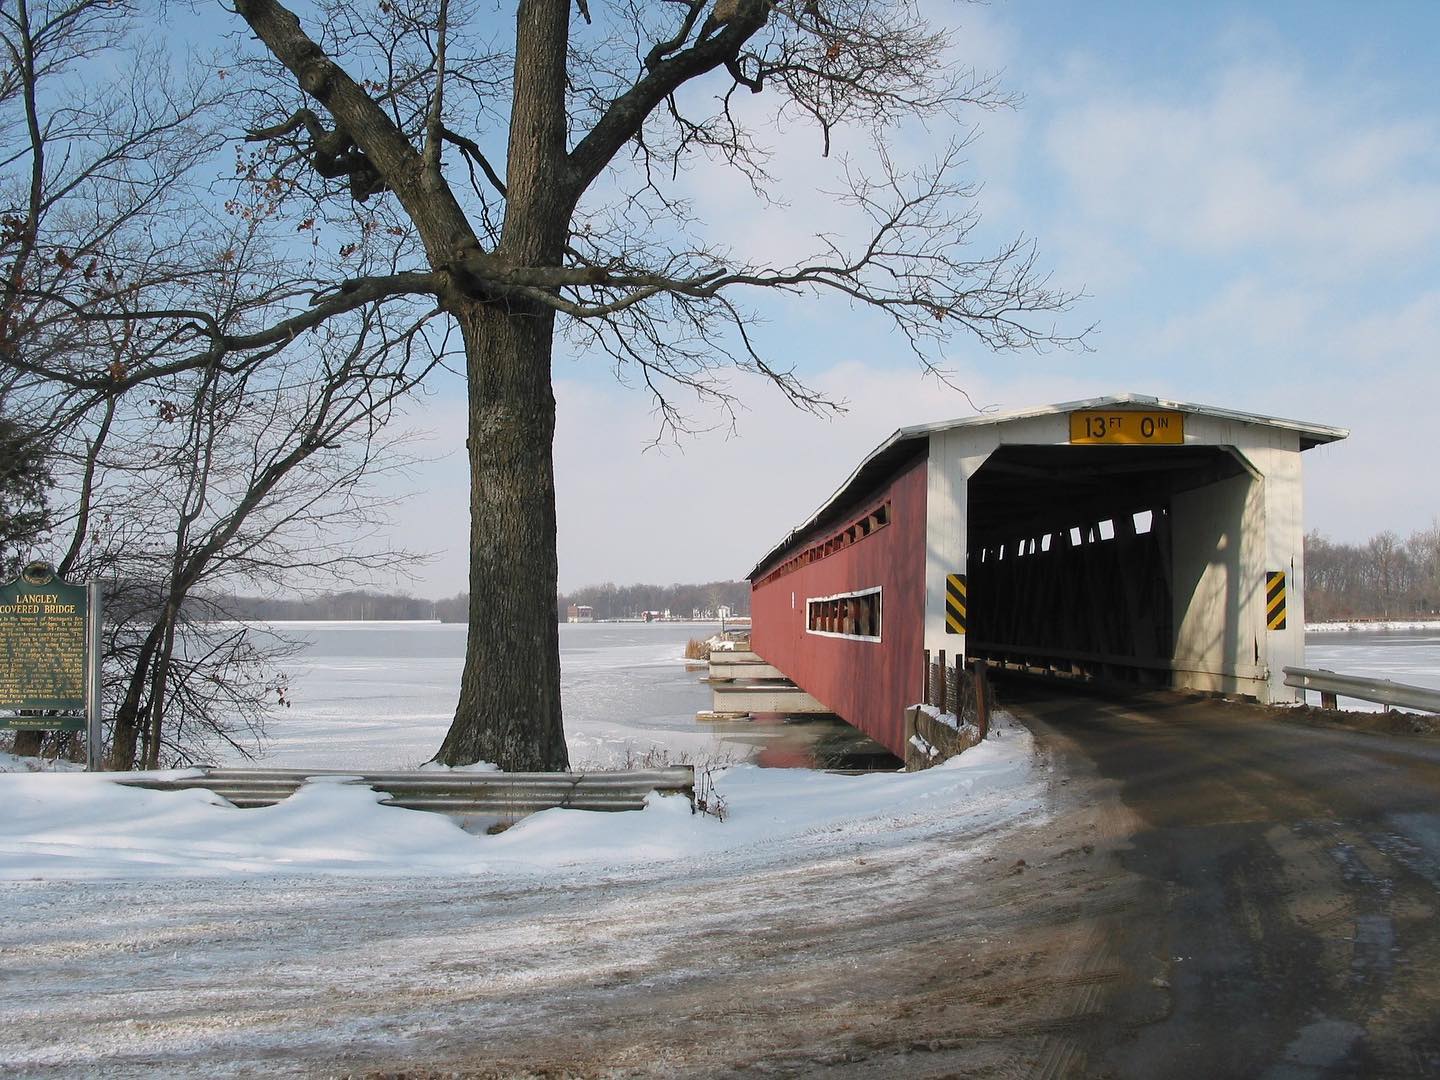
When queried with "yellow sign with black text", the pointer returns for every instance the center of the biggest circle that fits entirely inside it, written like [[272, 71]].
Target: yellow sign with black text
[[1127, 428]]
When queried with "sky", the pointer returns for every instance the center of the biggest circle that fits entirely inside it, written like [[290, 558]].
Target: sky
[[1248, 197]]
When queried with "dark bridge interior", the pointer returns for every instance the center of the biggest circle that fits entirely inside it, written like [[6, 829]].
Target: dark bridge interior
[[1070, 556]]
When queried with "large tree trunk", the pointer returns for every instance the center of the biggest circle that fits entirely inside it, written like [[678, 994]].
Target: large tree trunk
[[509, 709]]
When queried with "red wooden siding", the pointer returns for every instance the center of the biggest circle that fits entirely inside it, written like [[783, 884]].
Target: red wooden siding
[[866, 683]]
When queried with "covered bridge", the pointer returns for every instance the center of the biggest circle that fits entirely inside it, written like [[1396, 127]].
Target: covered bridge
[[1125, 538]]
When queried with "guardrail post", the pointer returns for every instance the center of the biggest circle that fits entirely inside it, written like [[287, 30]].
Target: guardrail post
[[1329, 701]]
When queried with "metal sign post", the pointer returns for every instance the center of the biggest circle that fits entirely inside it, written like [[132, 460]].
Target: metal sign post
[[93, 698]]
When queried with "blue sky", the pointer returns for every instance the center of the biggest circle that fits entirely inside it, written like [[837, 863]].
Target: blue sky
[[1249, 196]]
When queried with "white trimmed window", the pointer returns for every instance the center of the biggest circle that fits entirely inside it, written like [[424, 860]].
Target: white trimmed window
[[845, 615]]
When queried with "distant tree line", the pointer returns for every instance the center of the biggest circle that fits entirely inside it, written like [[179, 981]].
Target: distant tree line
[[1385, 577], [609, 600], [351, 605], [612, 601]]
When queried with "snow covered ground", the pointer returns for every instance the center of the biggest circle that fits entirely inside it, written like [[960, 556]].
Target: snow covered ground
[[623, 685], [169, 933], [75, 826], [1362, 626], [381, 695]]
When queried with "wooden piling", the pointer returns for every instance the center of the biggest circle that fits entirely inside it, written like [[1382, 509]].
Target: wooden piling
[[980, 677]]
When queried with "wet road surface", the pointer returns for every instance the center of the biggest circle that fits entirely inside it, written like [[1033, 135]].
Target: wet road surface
[[1295, 873]]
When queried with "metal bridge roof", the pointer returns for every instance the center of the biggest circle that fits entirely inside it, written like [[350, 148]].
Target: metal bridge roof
[[889, 454]]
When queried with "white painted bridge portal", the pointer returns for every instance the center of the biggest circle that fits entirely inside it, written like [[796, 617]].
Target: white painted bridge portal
[[1126, 536]]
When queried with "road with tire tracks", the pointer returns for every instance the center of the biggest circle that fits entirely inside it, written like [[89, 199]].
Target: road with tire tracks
[[1288, 878], [1190, 888]]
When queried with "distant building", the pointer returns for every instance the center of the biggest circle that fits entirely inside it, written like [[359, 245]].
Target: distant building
[[579, 613]]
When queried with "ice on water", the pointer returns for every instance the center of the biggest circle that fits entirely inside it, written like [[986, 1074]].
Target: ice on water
[[1404, 655], [382, 695]]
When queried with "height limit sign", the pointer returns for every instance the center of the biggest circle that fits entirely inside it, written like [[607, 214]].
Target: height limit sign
[[1126, 427]]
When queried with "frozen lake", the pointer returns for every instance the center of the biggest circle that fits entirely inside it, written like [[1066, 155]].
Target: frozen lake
[[382, 694], [1403, 656]]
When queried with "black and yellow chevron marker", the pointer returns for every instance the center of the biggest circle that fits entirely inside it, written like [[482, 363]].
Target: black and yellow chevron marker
[[956, 603], [1275, 599]]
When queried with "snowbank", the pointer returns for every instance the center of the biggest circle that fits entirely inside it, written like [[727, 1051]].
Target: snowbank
[[1352, 626], [10, 763], [78, 826]]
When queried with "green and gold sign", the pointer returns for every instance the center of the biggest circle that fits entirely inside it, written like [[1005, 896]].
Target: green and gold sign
[[43, 662]]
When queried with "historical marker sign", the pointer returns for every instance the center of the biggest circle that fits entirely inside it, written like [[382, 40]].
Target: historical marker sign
[[43, 650]]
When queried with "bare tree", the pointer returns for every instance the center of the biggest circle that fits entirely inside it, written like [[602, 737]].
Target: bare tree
[[258, 478], [520, 180], [24, 495], [533, 164], [1424, 549], [1381, 578], [179, 471]]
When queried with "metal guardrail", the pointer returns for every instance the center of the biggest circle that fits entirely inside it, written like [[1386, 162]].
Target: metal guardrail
[[1381, 691], [506, 794]]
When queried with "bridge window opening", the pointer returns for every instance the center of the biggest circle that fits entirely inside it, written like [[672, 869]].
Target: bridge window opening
[[847, 615], [1107, 529], [1076, 538], [1143, 520], [871, 522]]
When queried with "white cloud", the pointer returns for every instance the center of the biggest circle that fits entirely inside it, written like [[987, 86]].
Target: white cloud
[[711, 506], [1262, 162], [1247, 318], [1251, 240]]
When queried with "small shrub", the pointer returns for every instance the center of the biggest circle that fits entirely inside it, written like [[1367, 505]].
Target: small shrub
[[707, 800], [697, 649]]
